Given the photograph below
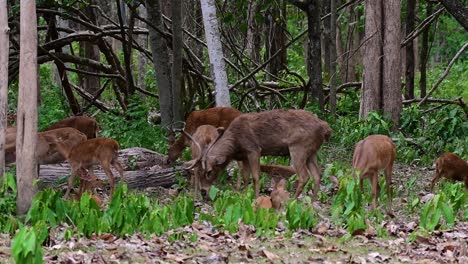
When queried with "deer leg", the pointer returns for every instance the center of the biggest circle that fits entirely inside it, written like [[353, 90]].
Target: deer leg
[[314, 169], [375, 186], [254, 165], [70, 182], [196, 182], [299, 160], [244, 172], [106, 167], [388, 182], [437, 176], [115, 162]]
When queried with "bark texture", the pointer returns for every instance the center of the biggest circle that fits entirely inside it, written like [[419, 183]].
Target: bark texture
[[457, 10], [4, 51], [392, 103], [215, 53], [160, 60], [26, 170], [177, 46], [410, 63], [370, 92]]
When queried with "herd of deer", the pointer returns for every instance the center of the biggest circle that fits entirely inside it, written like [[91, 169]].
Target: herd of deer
[[219, 135]]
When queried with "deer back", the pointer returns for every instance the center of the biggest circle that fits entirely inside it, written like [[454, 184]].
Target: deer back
[[374, 153], [86, 125]]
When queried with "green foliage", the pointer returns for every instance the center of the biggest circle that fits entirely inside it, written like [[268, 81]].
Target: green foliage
[[8, 192], [127, 213], [348, 205], [26, 246], [300, 216], [136, 131], [444, 205]]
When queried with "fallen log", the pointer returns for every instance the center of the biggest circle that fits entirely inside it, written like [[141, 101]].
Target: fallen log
[[143, 168]]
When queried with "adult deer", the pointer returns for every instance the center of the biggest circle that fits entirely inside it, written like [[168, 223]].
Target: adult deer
[[297, 133]]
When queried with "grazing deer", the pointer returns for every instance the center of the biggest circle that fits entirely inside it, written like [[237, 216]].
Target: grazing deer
[[200, 140], [371, 155], [85, 124], [278, 133], [452, 167], [216, 116], [46, 151], [103, 151]]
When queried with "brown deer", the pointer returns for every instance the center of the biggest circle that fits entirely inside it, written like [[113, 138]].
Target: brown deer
[[216, 116], [103, 151], [279, 195], [278, 133], [452, 167], [200, 140], [371, 155], [46, 151], [85, 124]]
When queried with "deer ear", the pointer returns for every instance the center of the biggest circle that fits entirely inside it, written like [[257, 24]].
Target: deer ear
[[220, 160]]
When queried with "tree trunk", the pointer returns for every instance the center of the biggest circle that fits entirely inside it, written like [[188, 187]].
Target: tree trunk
[[275, 37], [424, 54], [126, 47], [89, 50], [4, 52], [372, 80], [215, 53], [392, 103], [160, 60], [333, 63], [177, 47], [410, 64], [457, 10], [253, 33], [314, 60], [326, 37], [143, 41], [26, 170]]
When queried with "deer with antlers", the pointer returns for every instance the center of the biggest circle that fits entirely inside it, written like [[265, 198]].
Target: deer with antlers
[[297, 133]]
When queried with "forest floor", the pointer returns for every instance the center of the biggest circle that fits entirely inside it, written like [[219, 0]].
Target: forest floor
[[320, 245]]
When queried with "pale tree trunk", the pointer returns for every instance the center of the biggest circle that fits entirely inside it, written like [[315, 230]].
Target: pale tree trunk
[[160, 60], [409, 49], [392, 102], [371, 85], [26, 163], [333, 63], [4, 48], [215, 53], [326, 37], [177, 48]]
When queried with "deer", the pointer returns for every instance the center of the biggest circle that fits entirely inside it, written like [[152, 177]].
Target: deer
[[216, 116], [200, 140], [452, 167], [46, 151], [85, 124], [103, 151], [371, 155], [279, 194], [297, 133]]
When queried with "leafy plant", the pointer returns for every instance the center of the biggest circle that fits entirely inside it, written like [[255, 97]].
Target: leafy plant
[[299, 216], [26, 246], [348, 205], [444, 205]]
